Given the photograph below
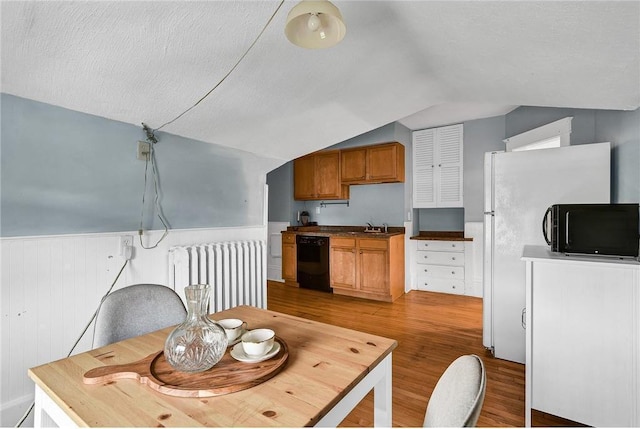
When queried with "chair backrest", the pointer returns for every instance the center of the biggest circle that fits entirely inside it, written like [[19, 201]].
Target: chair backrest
[[457, 398], [136, 310]]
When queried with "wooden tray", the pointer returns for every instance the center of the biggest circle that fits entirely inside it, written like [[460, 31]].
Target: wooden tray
[[226, 376]]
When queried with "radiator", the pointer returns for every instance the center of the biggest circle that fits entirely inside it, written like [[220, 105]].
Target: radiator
[[235, 270]]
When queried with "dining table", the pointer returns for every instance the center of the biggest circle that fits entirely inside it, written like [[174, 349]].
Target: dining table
[[323, 372]]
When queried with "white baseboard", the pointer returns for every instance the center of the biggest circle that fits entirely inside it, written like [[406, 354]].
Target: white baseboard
[[12, 411]]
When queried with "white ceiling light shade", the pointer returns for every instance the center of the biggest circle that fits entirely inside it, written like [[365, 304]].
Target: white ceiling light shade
[[315, 24]]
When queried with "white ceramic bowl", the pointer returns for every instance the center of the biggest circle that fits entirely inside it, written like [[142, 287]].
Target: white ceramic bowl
[[258, 342], [233, 328]]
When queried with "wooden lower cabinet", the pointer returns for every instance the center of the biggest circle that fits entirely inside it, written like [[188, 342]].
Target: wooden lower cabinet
[[289, 258], [370, 268]]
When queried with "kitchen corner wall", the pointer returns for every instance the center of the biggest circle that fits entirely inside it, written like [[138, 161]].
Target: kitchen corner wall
[[377, 204]]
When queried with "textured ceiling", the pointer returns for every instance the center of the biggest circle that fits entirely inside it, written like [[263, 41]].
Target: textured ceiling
[[424, 63]]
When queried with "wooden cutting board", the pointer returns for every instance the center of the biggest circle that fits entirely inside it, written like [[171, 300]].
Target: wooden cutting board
[[226, 376]]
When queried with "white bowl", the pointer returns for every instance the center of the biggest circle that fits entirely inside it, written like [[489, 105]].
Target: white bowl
[[233, 328], [258, 342]]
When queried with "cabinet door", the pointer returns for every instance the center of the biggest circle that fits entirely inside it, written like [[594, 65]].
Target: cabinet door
[[374, 266], [304, 178], [327, 176], [353, 165], [343, 267], [585, 342], [289, 258], [449, 168], [385, 163], [424, 160], [438, 167]]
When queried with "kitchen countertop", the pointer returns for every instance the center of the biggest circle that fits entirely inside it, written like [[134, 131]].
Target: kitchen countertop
[[344, 231], [442, 235]]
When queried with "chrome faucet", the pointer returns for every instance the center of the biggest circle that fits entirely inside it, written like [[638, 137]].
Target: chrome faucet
[[386, 227]]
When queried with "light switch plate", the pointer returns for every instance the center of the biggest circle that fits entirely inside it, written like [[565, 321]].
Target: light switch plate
[[143, 150]]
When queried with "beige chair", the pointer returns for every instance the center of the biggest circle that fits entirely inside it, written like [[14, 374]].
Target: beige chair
[[457, 398], [136, 310]]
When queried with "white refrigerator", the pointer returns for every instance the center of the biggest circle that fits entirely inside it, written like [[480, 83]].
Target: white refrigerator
[[519, 186]]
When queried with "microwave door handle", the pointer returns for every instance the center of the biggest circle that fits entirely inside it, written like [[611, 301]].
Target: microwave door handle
[[544, 226]]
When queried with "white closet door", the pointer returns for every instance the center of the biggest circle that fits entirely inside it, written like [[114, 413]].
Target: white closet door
[[424, 160], [438, 167], [450, 166]]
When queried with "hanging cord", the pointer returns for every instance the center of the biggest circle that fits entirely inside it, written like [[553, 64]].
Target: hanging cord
[[151, 157], [26, 414], [228, 73]]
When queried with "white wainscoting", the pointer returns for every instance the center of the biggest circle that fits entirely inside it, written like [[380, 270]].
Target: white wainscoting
[[274, 254], [51, 286]]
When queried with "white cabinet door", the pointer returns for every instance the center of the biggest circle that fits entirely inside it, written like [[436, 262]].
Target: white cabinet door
[[585, 342], [424, 160], [438, 167]]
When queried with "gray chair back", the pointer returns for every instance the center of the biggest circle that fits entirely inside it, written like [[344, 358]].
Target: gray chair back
[[457, 398], [136, 310]]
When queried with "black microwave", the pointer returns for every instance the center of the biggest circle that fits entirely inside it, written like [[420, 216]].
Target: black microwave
[[594, 229]]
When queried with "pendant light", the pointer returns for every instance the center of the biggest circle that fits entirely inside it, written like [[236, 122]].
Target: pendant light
[[315, 24]]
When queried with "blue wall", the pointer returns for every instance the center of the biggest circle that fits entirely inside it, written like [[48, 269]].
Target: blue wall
[[620, 128], [67, 172], [383, 203]]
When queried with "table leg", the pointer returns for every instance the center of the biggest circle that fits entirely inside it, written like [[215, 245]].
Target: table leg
[[382, 396], [378, 379]]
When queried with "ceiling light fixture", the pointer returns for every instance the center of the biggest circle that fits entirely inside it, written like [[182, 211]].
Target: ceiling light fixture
[[315, 24]]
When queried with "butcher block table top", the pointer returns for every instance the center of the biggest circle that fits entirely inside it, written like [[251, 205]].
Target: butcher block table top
[[325, 362]]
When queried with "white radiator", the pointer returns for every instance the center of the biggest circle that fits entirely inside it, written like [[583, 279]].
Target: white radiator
[[235, 270]]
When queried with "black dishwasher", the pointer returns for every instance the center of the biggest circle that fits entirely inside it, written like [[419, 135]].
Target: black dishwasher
[[313, 262]]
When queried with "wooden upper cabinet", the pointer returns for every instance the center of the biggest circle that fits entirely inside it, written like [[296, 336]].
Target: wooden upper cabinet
[[382, 163], [354, 165], [317, 177]]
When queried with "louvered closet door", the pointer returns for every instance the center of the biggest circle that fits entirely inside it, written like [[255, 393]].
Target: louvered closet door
[[449, 192], [437, 167], [424, 159]]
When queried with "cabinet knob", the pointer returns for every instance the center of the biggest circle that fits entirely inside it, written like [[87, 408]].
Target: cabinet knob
[[425, 257], [454, 287], [453, 258], [426, 270], [453, 245], [453, 272]]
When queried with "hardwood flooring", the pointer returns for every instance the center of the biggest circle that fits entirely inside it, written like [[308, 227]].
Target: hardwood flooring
[[432, 330]]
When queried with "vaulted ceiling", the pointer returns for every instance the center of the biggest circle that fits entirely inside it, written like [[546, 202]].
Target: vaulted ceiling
[[423, 63]]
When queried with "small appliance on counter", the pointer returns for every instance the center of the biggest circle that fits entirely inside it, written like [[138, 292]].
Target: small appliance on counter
[[593, 229]]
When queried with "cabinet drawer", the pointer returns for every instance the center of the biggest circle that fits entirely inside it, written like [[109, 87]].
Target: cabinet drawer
[[441, 271], [440, 258], [342, 242], [441, 285], [368, 243], [440, 245], [288, 238]]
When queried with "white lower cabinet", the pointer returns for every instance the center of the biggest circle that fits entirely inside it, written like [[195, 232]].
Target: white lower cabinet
[[440, 266], [582, 338]]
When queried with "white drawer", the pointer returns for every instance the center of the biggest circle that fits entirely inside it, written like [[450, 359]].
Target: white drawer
[[440, 258], [441, 271], [441, 285], [440, 245]]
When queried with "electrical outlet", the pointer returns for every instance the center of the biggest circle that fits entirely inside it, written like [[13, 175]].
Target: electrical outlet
[[144, 149], [318, 210], [126, 242]]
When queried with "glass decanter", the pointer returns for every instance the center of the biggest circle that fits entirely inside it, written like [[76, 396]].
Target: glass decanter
[[198, 343]]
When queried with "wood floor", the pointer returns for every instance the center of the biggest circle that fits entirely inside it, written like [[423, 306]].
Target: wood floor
[[432, 329]]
